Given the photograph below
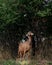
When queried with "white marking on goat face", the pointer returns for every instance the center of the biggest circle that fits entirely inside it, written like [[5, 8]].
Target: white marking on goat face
[[23, 40]]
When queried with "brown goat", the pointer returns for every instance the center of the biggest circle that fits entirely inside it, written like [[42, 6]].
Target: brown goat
[[25, 46]]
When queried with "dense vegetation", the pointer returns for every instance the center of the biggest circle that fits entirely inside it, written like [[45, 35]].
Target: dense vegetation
[[19, 16], [22, 12]]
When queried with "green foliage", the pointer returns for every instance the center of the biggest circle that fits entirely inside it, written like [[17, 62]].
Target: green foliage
[[20, 11], [8, 62], [24, 62]]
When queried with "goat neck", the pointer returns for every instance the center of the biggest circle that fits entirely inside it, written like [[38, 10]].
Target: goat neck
[[29, 38]]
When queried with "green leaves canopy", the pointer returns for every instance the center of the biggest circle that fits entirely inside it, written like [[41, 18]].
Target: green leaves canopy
[[20, 11]]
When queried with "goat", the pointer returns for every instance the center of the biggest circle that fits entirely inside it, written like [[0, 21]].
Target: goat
[[26, 45]]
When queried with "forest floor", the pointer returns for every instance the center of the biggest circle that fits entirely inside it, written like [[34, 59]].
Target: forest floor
[[26, 62]]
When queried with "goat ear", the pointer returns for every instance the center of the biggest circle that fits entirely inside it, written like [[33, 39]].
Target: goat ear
[[32, 34]]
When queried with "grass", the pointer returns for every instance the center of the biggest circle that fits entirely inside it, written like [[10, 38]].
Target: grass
[[8, 62], [25, 62]]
